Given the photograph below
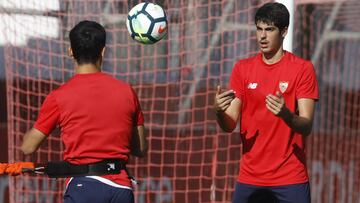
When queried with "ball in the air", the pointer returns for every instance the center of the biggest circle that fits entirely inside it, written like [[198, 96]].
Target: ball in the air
[[147, 23]]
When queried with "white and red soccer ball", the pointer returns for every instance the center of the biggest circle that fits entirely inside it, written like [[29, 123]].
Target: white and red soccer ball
[[147, 23]]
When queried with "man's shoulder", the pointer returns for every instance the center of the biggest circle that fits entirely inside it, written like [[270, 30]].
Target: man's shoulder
[[100, 77], [75, 84], [246, 62], [297, 60], [112, 79], [67, 84]]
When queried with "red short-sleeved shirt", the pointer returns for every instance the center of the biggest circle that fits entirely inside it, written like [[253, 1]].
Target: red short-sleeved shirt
[[273, 154], [96, 114]]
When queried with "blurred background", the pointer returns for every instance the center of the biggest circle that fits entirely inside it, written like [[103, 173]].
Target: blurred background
[[190, 159]]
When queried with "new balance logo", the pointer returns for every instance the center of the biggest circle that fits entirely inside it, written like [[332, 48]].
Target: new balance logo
[[252, 85], [111, 166]]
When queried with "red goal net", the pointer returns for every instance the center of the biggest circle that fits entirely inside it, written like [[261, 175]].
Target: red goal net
[[190, 159]]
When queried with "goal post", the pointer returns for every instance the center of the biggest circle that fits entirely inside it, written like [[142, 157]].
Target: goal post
[[288, 41]]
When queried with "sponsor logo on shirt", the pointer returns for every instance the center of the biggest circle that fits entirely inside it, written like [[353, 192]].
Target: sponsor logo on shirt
[[252, 85], [283, 85]]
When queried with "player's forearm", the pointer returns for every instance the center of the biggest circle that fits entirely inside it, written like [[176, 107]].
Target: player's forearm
[[31, 141], [225, 122], [143, 146], [297, 123], [228, 118], [138, 152], [139, 144], [27, 148]]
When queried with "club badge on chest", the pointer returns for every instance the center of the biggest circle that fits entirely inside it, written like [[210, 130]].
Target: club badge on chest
[[283, 85]]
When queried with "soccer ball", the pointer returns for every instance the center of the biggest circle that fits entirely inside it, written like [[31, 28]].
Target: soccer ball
[[146, 23]]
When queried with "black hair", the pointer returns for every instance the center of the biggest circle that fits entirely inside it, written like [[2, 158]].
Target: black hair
[[87, 40], [275, 13]]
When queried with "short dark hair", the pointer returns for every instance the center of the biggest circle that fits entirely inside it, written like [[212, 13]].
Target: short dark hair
[[275, 13], [87, 40]]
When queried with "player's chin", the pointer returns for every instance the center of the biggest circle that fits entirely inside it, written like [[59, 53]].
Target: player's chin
[[265, 50]]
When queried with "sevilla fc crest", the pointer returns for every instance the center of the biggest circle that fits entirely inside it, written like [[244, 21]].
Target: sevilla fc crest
[[283, 85]]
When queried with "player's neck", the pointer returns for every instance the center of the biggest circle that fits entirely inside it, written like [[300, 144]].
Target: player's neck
[[87, 68], [271, 58]]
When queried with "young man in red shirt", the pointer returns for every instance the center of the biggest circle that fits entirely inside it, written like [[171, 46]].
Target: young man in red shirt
[[100, 119], [273, 96]]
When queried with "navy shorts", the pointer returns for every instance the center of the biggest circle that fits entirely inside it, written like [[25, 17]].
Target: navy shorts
[[85, 190], [296, 193]]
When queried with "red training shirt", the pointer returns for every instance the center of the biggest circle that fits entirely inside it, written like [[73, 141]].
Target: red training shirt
[[96, 114], [273, 154]]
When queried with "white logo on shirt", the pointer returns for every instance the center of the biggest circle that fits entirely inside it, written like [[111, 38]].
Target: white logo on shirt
[[283, 85], [252, 85], [111, 166]]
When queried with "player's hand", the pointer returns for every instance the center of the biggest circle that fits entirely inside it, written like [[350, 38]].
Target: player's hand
[[275, 103], [223, 99]]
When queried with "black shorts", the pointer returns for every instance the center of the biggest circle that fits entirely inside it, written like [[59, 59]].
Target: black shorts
[[296, 193]]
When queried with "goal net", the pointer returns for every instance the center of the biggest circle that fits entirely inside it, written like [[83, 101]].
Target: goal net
[[327, 32], [190, 159]]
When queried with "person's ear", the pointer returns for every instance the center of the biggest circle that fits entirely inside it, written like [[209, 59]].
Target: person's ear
[[70, 52], [103, 52], [284, 32]]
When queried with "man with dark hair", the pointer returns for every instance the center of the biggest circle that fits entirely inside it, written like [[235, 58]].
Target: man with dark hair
[[87, 41], [273, 96], [101, 124]]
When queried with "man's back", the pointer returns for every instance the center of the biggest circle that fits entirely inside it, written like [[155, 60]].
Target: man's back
[[96, 117], [100, 118]]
